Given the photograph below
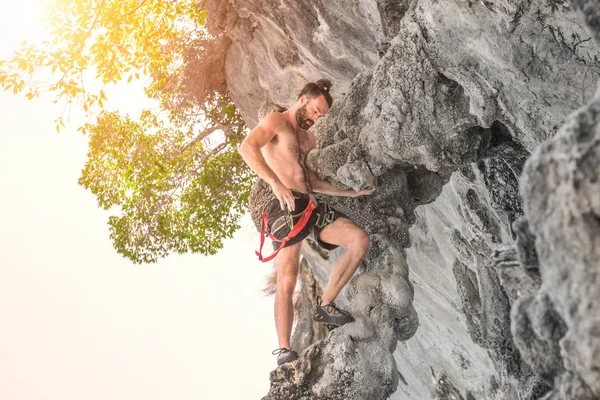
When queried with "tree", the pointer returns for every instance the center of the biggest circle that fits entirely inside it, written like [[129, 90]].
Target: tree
[[173, 177]]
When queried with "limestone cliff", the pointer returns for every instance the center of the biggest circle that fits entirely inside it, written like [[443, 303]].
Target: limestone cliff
[[475, 286]]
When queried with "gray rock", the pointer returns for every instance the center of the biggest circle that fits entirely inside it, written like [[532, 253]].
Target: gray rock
[[561, 191], [307, 331], [537, 329], [278, 46], [441, 101]]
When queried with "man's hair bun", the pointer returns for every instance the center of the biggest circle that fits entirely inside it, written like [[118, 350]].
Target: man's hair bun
[[315, 89], [323, 84]]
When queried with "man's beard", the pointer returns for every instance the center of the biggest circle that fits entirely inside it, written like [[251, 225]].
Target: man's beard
[[301, 118]]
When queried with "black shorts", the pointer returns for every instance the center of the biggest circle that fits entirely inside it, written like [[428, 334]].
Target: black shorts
[[281, 222]]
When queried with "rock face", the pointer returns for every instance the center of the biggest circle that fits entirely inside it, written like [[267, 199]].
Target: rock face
[[473, 288], [561, 191]]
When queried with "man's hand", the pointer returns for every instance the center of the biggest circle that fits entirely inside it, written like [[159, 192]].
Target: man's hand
[[322, 186], [284, 195], [366, 192]]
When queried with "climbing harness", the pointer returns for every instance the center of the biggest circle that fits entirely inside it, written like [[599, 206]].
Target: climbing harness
[[295, 230]]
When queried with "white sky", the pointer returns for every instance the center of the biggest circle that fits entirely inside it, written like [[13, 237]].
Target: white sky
[[78, 321]]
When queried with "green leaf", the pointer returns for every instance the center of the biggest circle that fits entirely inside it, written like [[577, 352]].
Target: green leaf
[[170, 189]]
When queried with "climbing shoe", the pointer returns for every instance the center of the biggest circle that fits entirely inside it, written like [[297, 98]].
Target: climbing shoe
[[331, 314], [285, 355]]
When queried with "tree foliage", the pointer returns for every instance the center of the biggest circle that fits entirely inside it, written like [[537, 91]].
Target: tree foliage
[[173, 177]]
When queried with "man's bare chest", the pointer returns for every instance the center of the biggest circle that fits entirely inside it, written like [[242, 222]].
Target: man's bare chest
[[295, 144]]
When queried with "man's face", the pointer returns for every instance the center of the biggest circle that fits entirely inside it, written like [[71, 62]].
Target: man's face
[[311, 111]]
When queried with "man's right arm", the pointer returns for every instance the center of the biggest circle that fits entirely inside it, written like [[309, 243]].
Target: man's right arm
[[258, 137]]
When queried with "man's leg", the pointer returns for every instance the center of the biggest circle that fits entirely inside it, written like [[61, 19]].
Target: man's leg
[[355, 241], [287, 263]]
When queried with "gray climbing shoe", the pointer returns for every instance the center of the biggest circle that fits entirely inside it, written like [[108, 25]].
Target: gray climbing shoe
[[285, 355], [331, 314]]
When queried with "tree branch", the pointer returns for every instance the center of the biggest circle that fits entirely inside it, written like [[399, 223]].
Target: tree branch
[[202, 135], [135, 9]]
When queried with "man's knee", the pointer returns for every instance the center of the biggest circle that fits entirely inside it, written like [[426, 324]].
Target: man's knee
[[286, 283], [287, 275], [362, 242], [287, 263]]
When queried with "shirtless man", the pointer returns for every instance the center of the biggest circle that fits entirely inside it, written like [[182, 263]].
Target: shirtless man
[[276, 150]]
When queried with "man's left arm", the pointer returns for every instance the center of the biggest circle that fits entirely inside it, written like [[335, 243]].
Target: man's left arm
[[325, 187]]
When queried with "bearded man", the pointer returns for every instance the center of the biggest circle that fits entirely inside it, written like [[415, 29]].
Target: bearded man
[[276, 150]]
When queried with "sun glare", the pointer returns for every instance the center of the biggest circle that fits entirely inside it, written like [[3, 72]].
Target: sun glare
[[21, 20]]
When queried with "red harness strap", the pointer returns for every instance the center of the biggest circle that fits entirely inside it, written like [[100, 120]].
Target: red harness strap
[[295, 231]]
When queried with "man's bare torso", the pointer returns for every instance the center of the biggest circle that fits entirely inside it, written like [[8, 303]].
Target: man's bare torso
[[285, 154]]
